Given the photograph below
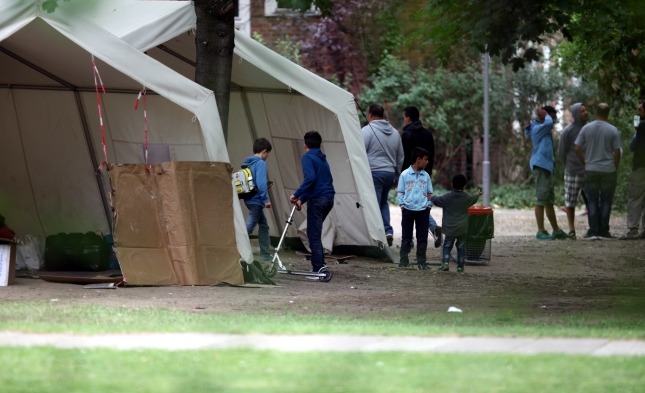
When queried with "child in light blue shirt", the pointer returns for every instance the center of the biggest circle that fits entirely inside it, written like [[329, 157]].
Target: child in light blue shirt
[[414, 193]]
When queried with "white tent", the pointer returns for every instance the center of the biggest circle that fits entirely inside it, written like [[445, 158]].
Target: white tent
[[50, 137], [275, 99]]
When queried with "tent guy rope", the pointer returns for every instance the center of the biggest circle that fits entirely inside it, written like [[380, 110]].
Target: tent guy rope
[[145, 124], [98, 102]]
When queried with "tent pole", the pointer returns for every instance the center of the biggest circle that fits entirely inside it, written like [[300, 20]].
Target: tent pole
[[95, 163], [254, 134], [80, 89], [486, 166], [36, 68]]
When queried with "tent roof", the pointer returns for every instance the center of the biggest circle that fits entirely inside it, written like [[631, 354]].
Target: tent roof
[[267, 69], [42, 50]]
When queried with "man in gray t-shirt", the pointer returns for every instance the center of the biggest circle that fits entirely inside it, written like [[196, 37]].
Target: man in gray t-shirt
[[600, 142]]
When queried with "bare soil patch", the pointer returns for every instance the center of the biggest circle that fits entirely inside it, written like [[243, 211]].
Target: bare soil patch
[[565, 276]]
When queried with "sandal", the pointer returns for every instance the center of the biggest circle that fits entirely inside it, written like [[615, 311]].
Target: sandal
[[631, 235]]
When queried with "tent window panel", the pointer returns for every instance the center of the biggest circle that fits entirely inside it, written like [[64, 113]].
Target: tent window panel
[[157, 153]]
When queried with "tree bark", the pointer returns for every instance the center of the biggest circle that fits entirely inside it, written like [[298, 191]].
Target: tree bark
[[215, 41]]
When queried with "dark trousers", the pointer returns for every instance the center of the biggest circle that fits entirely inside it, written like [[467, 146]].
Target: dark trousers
[[600, 188], [383, 182], [317, 211], [409, 219], [448, 243]]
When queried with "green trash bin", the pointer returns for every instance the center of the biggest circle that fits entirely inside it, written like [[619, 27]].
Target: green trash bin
[[481, 229]]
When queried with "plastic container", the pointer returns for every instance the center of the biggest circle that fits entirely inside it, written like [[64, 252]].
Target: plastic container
[[481, 229], [76, 251]]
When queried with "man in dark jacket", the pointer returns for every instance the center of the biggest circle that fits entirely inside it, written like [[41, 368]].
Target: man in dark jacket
[[318, 188], [574, 171], [415, 135], [636, 189]]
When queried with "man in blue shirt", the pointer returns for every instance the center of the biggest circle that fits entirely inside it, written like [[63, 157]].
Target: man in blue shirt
[[542, 165], [318, 189]]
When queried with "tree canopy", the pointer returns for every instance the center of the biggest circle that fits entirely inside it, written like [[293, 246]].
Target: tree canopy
[[605, 38]]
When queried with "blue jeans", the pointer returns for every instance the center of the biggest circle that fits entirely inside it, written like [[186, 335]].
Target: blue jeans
[[600, 188], [448, 243], [410, 219], [433, 224], [317, 211], [383, 182], [256, 216]]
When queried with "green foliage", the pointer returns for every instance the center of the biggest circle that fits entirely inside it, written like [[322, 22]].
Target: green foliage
[[50, 6], [450, 101], [608, 48], [498, 27], [286, 47]]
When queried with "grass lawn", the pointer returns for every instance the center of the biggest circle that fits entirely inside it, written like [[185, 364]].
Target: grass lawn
[[58, 370], [57, 317]]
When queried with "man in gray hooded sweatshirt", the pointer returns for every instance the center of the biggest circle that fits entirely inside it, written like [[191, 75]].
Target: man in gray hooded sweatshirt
[[385, 155], [574, 171]]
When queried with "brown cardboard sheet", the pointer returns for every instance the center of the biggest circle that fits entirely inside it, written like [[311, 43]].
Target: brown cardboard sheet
[[174, 224]]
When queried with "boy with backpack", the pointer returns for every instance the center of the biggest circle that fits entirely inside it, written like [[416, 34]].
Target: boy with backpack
[[414, 193], [256, 203], [455, 220], [318, 188]]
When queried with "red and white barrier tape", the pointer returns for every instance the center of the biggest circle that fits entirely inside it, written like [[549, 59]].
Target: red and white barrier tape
[[98, 103], [145, 122]]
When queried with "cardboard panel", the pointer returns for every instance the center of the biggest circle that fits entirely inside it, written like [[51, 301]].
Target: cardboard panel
[[175, 224]]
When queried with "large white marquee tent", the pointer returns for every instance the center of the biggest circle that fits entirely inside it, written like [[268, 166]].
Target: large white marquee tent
[[271, 98], [278, 100], [50, 137]]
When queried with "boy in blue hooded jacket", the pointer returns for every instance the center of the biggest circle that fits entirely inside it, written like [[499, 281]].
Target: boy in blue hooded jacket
[[414, 193], [318, 189], [256, 163]]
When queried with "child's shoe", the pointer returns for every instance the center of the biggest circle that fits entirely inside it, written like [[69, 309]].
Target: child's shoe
[[460, 269], [544, 235], [423, 266], [444, 267]]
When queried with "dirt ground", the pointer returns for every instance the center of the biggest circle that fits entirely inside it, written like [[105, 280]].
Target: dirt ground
[[565, 276]]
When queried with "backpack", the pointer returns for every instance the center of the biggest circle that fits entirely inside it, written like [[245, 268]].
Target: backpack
[[244, 183]]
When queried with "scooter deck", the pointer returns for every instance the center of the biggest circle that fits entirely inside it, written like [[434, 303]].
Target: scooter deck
[[337, 258]]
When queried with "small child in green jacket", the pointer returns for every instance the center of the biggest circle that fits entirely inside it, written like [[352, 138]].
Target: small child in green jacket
[[455, 220]]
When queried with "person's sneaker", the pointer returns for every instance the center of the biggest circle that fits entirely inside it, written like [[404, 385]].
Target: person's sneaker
[[404, 264], [423, 266], [572, 235], [586, 212], [607, 236], [312, 277], [437, 237], [389, 240], [460, 269], [544, 235], [560, 235], [590, 237], [444, 267]]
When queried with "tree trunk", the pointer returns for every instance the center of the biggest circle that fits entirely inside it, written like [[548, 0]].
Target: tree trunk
[[215, 41]]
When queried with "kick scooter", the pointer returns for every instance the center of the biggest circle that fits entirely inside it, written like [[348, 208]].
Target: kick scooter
[[276, 266]]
